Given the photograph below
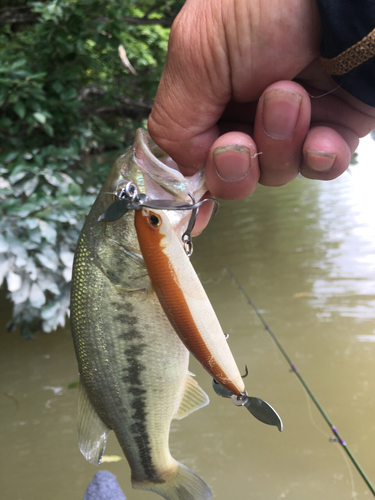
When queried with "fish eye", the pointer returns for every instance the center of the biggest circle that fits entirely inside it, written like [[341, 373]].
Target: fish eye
[[155, 221]]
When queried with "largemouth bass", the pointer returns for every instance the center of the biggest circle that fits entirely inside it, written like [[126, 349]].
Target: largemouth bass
[[133, 368]]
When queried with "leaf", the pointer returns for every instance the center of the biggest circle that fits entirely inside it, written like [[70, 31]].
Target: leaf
[[74, 189], [40, 117], [47, 262], [35, 236], [49, 129], [53, 178], [37, 297], [69, 94], [30, 185], [30, 268], [23, 293], [16, 247], [4, 246], [31, 223], [9, 156], [67, 258], [5, 184], [20, 108], [57, 86], [18, 173], [50, 310], [14, 281], [67, 274], [5, 266], [18, 63], [48, 231], [48, 284]]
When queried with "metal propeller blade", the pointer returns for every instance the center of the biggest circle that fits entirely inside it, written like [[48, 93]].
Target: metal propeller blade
[[259, 408], [115, 211], [263, 411]]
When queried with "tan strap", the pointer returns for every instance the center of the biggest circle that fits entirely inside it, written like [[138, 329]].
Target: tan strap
[[352, 57]]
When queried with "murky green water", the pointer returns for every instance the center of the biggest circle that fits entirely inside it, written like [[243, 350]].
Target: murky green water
[[305, 253]]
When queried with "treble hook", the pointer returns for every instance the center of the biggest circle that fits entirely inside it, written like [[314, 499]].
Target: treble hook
[[186, 237]]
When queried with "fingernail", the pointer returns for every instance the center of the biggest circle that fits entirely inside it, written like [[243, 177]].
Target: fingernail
[[232, 162], [280, 113], [320, 160]]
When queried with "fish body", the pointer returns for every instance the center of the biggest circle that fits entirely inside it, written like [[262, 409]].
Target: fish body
[[133, 368], [183, 298]]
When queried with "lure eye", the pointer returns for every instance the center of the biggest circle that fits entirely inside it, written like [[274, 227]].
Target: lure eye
[[155, 221]]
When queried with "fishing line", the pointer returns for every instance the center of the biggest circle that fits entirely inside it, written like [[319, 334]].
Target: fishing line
[[312, 419], [329, 437], [323, 95], [304, 384]]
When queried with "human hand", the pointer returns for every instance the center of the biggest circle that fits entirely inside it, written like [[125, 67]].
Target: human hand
[[226, 99]]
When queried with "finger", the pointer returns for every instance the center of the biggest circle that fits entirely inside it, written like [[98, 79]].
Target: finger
[[327, 152], [232, 170], [281, 125]]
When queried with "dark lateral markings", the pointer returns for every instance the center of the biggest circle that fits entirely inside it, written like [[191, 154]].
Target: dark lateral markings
[[133, 350], [125, 306]]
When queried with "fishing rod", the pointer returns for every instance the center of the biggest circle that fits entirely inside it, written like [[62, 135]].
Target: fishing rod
[[304, 384]]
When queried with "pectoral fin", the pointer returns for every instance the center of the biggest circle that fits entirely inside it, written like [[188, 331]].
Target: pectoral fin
[[193, 399], [92, 431]]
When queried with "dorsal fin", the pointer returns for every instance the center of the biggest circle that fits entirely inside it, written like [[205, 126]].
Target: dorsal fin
[[92, 431], [194, 398]]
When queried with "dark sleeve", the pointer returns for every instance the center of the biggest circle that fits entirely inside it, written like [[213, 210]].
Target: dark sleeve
[[348, 45]]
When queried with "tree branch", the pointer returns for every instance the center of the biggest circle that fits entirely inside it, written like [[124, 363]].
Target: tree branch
[[134, 103], [85, 93], [18, 15], [119, 111], [164, 21], [25, 15]]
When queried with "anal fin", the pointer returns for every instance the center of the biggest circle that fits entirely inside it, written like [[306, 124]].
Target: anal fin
[[193, 399], [92, 431]]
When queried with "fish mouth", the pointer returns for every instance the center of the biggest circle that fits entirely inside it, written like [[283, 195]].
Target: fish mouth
[[154, 174], [162, 177]]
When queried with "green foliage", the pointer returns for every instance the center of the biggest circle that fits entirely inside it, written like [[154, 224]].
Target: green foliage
[[65, 94]]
